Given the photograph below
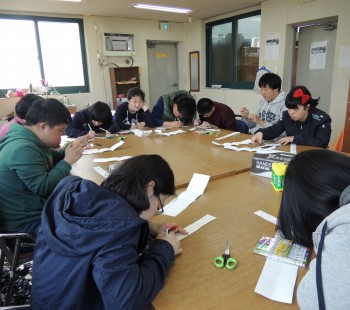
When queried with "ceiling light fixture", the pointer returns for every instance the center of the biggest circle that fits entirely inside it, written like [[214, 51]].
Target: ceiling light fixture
[[161, 8]]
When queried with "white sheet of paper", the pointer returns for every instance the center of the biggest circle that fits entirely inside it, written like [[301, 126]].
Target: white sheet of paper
[[141, 133], [105, 160], [101, 171], [277, 281], [266, 216], [196, 225], [229, 135], [194, 190], [170, 133], [95, 151]]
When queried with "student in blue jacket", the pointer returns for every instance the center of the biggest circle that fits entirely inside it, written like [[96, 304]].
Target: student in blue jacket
[[135, 112], [303, 123], [95, 119], [97, 248]]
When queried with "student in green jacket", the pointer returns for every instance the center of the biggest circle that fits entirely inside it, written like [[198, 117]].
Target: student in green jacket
[[30, 168]]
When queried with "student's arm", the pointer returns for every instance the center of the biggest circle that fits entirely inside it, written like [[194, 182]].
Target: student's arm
[[78, 127], [158, 111], [272, 132], [128, 279], [33, 166], [120, 115], [320, 138], [146, 117], [112, 127]]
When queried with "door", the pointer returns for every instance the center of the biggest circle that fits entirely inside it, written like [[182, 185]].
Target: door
[[162, 69], [318, 81]]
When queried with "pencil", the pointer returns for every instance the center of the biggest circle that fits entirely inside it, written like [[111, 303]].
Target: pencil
[[103, 129], [90, 127]]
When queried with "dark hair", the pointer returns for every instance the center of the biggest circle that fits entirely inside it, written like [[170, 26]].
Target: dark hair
[[129, 180], [23, 105], [293, 102], [204, 106], [186, 106], [313, 183], [132, 92], [270, 80], [100, 112], [51, 111]]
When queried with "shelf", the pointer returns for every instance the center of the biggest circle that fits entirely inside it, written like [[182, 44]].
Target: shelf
[[127, 82]]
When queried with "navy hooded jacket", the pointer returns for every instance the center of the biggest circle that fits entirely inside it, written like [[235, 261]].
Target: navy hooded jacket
[[93, 252]]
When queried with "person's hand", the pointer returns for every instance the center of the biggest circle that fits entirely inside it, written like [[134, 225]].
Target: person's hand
[[91, 134], [145, 107], [196, 122], [159, 228], [141, 125], [172, 239], [257, 138], [83, 140], [244, 112], [255, 118], [73, 152], [208, 125], [175, 124], [286, 140]]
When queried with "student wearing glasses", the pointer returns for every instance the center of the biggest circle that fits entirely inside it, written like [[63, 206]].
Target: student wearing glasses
[[98, 248], [134, 114]]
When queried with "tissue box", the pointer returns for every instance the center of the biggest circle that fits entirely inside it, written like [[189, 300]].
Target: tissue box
[[262, 163]]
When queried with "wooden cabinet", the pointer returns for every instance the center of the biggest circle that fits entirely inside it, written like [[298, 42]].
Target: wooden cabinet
[[122, 79]]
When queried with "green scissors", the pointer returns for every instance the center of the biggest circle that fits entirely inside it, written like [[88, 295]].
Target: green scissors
[[225, 259]]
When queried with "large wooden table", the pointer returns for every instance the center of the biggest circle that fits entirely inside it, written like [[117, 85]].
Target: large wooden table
[[232, 196], [194, 282], [186, 153]]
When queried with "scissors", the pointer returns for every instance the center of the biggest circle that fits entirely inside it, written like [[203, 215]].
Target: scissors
[[225, 259]]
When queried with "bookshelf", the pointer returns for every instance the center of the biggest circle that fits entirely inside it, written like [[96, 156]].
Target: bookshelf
[[122, 79]]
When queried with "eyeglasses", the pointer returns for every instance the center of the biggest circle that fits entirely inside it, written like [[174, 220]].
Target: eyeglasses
[[161, 210]]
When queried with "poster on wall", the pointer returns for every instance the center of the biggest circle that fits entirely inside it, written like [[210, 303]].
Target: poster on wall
[[318, 52], [272, 45], [344, 57]]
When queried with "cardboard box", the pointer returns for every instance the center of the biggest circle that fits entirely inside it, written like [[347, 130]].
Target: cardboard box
[[262, 163]]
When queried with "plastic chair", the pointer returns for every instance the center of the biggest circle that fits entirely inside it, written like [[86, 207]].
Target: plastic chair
[[17, 248]]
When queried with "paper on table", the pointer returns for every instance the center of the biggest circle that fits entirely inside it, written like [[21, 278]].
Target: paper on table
[[104, 160], [141, 133], [277, 281], [171, 133], [112, 148], [196, 225], [266, 216], [101, 171], [194, 190], [235, 133]]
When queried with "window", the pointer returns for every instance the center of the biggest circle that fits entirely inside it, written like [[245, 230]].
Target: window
[[233, 51], [42, 48]]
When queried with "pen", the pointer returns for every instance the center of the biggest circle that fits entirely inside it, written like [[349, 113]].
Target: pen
[[89, 127], [103, 129]]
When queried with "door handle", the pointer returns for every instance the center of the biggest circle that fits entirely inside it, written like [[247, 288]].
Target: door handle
[[175, 84]]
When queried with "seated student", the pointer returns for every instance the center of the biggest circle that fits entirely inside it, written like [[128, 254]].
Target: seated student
[[271, 107], [29, 167], [97, 247], [95, 119], [303, 123], [134, 113], [21, 110], [315, 212], [215, 115], [174, 111]]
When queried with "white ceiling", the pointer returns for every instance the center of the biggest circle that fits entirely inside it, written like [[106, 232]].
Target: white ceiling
[[203, 9]]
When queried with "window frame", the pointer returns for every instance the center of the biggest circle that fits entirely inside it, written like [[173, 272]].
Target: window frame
[[63, 89], [233, 84]]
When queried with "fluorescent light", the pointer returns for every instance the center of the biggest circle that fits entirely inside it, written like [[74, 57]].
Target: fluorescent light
[[161, 8]]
